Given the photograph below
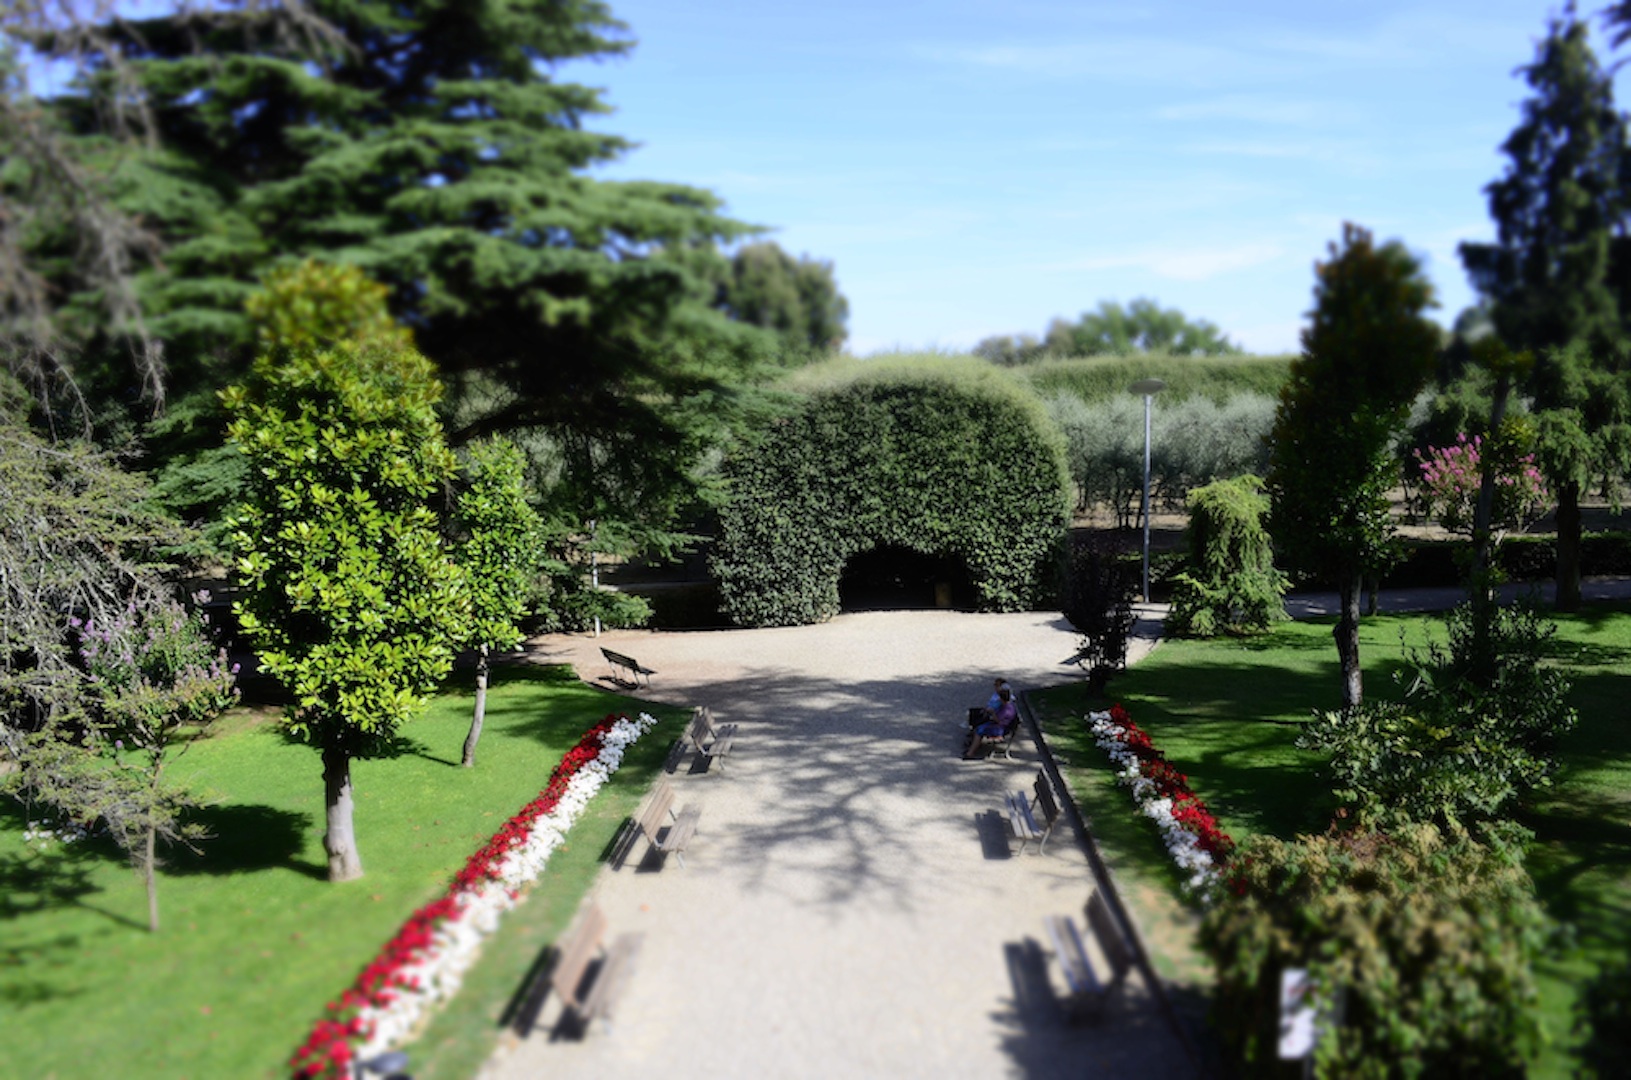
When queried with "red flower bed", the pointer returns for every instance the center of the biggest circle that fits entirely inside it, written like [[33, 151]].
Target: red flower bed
[[327, 1054]]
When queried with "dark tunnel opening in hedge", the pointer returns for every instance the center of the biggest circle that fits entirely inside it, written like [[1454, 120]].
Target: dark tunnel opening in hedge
[[951, 460], [892, 578]]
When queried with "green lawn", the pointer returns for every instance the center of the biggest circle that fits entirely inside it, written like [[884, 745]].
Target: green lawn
[[1228, 712], [254, 939]]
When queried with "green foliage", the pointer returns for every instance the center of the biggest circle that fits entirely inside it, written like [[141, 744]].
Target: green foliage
[[1366, 354], [79, 538], [1141, 327], [1603, 1017], [1217, 378], [1476, 731], [1192, 441], [1098, 601], [1233, 585], [938, 457], [350, 599], [1425, 944], [799, 299], [313, 304], [1546, 276], [497, 538]]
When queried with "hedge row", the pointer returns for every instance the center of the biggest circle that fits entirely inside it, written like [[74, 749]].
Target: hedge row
[[942, 457], [1521, 558]]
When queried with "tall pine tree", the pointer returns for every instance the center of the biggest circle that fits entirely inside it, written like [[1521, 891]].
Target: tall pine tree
[[1547, 277]]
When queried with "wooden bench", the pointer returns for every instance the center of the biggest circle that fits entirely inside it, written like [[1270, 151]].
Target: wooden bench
[[1025, 810], [989, 744], [713, 743], [657, 815], [1087, 995], [588, 974], [627, 663]]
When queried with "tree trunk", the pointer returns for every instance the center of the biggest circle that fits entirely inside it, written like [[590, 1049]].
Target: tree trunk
[[1347, 635], [150, 860], [1568, 547], [481, 708], [340, 841], [149, 873]]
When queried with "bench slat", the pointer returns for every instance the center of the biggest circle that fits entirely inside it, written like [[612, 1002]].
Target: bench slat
[[611, 978]]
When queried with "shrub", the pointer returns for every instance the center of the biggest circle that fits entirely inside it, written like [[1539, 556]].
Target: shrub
[[940, 457], [1474, 733], [1234, 585], [1603, 1019], [1424, 943], [1098, 600]]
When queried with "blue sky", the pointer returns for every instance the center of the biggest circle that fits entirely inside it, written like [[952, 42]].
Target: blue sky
[[974, 167]]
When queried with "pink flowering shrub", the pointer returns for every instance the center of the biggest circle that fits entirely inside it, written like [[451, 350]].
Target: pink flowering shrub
[[1451, 476]]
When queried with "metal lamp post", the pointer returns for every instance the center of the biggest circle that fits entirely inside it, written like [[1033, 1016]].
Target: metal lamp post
[[1149, 388]]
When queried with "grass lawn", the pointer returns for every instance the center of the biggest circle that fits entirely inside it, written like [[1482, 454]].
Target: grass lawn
[[254, 939], [1228, 713]]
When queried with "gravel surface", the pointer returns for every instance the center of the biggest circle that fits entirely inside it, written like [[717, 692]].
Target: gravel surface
[[850, 905]]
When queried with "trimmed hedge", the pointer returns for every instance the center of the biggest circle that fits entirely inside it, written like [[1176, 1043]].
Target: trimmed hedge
[[940, 456], [1521, 558]]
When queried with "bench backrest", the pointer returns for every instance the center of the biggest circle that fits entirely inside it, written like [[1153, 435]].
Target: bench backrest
[[576, 951], [1044, 801], [699, 731], [655, 811], [617, 657], [1111, 943]]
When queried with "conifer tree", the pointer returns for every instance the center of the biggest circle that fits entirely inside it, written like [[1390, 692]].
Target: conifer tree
[[1548, 275]]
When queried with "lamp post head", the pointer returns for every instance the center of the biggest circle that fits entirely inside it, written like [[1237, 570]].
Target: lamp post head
[[1147, 387]]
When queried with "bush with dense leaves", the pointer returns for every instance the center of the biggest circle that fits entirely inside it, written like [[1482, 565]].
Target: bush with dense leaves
[[942, 458], [1475, 732], [1424, 943], [1232, 584], [1097, 599]]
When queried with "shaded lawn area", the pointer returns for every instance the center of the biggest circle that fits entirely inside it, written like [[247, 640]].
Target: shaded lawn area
[[1228, 712], [254, 939]]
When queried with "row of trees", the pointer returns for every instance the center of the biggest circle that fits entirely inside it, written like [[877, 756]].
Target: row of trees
[[1143, 326]]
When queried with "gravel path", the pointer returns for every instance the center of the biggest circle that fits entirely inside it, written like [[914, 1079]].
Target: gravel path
[[849, 906]]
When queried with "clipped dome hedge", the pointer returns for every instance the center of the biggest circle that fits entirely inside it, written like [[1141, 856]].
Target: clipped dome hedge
[[941, 457]]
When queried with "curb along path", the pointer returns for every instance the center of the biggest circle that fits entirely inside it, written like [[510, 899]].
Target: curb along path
[[849, 905]]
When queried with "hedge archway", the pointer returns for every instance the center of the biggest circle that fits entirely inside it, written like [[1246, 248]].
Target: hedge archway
[[947, 459]]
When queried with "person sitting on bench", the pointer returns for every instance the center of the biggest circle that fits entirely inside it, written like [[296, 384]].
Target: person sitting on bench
[[1002, 721], [978, 715]]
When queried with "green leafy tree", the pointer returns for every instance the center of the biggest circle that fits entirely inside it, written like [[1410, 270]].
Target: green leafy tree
[[496, 543], [1232, 584], [350, 597], [1367, 351], [798, 299], [1142, 326], [1547, 278]]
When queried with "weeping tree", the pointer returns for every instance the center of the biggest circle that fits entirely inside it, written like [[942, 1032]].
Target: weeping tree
[[350, 597], [497, 535], [1232, 584], [1366, 353]]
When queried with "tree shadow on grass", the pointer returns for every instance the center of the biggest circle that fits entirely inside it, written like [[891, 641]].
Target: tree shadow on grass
[[245, 838]]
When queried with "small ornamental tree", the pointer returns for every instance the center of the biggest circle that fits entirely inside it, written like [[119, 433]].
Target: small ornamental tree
[[496, 544], [1232, 584], [351, 599], [1420, 946], [155, 683], [1368, 349]]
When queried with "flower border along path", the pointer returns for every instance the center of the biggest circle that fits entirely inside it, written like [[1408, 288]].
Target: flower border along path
[[423, 964], [1191, 833]]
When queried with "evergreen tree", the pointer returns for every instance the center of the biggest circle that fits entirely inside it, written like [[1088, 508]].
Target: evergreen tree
[[1366, 353], [1548, 277], [428, 143]]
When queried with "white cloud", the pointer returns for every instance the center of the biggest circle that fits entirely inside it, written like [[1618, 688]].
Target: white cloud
[[1180, 264]]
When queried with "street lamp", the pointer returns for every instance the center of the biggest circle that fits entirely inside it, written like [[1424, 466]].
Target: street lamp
[[1149, 388]]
